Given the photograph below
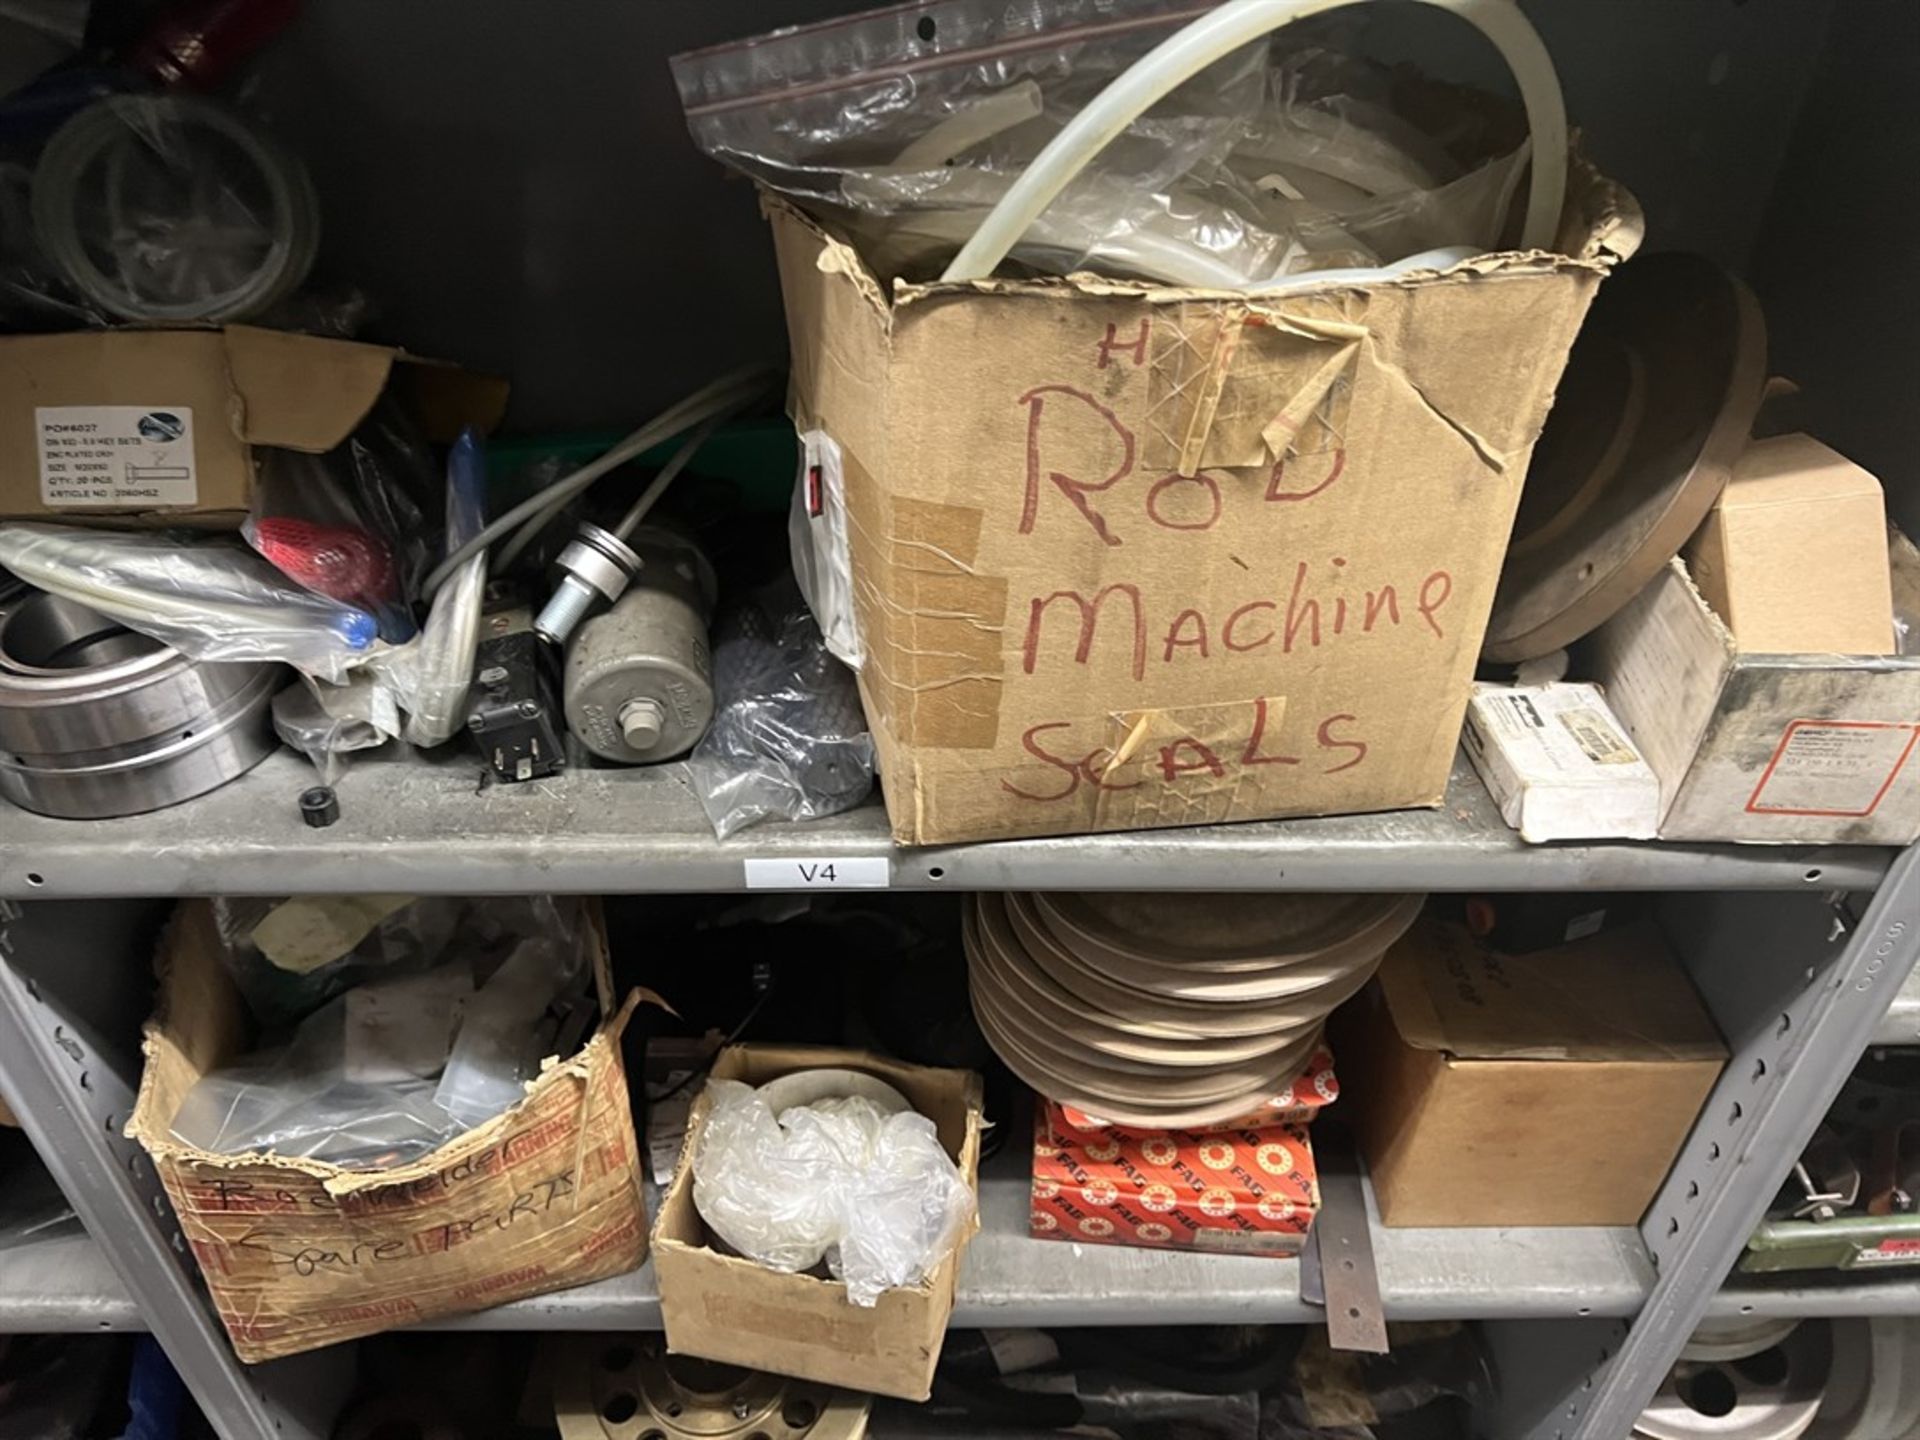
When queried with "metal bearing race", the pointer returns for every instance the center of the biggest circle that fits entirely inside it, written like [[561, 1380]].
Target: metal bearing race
[[99, 721]]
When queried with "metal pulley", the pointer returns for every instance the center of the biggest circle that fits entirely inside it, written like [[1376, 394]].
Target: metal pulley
[[639, 676], [624, 1387]]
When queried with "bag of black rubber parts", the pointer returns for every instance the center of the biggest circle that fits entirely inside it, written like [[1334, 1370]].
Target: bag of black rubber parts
[[789, 739]]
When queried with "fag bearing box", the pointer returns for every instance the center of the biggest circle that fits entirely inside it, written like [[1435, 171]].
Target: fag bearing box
[[299, 1253], [1790, 749], [163, 423], [725, 1307], [1552, 1088], [1246, 1189], [1111, 554]]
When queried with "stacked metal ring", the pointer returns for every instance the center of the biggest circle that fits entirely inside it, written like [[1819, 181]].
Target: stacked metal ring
[[1169, 1011], [97, 720]]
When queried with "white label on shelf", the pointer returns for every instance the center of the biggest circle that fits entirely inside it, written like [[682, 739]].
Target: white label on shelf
[[872, 872], [115, 455]]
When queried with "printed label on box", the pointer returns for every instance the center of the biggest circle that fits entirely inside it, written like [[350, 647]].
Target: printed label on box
[[1833, 767], [116, 455]]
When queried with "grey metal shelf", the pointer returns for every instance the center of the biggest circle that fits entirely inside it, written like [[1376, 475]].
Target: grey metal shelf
[[62, 1284], [1010, 1278], [425, 827], [1901, 1024]]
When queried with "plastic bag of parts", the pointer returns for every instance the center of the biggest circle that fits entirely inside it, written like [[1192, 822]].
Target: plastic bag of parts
[[290, 956], [430, 675], [327, 723], [842, 1181], [352, 523], [209, 598], [394, 1067], [172, 209], [789, 739], [906, 127]]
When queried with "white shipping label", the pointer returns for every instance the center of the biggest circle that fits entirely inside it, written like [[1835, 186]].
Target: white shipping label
[[115, 456], [873, 872], [1833, 767]]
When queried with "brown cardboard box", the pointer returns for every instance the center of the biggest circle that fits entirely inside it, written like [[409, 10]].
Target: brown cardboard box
[[1776, 749], [162, 422], [299, 1253], [1546, 1089], [724, 1307], [1112, 555], [1794, 554]]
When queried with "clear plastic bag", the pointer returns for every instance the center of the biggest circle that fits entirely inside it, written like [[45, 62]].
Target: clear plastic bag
[[788, 738], [172, 209], [431, 674], [871, 1194], [210, 598], [906, 126], [456, 1005]]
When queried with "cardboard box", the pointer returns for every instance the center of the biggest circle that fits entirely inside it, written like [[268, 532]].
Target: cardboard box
[[162, 423], [1793, 556], [1113, 555], [1556, 763], [1771, 749], [1246, 1191], [299, 1253], [1545, 1089], [726, 1307]]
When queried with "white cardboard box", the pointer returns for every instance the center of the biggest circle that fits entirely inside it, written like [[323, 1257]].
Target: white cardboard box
[[1559, 765], [1781, 749]]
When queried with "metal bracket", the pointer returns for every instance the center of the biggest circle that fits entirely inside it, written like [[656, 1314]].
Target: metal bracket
[[72, 1094]]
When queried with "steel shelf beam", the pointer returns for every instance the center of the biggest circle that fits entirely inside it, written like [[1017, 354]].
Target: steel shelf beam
[[426, 828]]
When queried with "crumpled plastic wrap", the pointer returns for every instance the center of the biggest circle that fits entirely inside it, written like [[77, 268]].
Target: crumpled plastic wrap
[[210, 598], [456, 1004], [872, 1195], [788, 739], [906, 125]]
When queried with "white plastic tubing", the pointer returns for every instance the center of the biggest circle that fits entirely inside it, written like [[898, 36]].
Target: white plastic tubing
[[1219, 33]]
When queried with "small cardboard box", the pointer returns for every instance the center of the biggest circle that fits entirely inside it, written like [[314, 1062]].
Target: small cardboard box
[[1545, 1089], [1556, 763], [299, 1253], [1771, 749], [725, 1307], [162, 423], [1793, 556], [1248, 1191], [1112, 555]]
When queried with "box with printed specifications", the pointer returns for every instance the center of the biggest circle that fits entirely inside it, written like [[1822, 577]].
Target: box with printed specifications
[[163, 423], [1557, 764], [1110, 555], [299, 1253], [1767, 748]]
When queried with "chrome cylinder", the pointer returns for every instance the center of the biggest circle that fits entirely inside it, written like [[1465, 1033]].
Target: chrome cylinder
[[98, 721]]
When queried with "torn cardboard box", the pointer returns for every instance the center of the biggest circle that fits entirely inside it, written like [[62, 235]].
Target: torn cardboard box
[[1115, 555], [299, 1253], [163, 423], [1784, 749], [723, 1307], [1546, 1089]]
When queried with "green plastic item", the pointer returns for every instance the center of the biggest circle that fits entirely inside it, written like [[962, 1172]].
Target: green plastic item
[[761, 457], [1847, 1242]]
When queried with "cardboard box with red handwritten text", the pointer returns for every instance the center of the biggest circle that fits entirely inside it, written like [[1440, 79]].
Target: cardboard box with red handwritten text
[[299, 1253], [1110, 555]]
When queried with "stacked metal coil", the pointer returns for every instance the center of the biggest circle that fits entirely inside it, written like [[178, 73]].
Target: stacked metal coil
[[1170, 1010]]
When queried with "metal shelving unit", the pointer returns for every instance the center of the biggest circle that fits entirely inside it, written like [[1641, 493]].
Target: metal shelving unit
[[1798, 953], [428, 827]]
